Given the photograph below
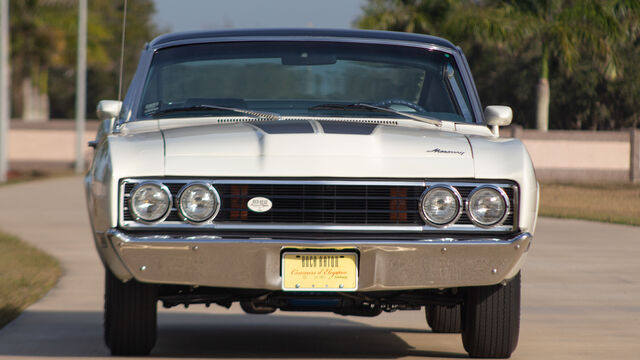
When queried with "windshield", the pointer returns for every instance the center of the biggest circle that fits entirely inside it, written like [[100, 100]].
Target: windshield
[[298, 78]]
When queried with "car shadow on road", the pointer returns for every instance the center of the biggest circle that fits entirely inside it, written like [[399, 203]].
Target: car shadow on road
[[190, 335], [281, 336]]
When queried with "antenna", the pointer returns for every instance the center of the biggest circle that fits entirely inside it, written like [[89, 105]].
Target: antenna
[[124, 28]]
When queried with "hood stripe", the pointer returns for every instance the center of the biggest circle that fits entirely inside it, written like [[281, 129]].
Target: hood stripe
[[285, 127]]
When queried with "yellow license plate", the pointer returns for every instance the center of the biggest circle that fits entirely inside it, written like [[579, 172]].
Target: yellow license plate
[[319, 271]]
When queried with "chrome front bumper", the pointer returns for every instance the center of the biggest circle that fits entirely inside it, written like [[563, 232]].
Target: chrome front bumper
[[255, 263]]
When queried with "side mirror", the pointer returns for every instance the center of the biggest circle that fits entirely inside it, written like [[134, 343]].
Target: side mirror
[[108, 109], [498, 116]]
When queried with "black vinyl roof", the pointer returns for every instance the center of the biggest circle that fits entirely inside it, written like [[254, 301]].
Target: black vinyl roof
[[203, 36]]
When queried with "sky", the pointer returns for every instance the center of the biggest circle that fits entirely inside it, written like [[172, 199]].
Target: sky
[[185, 15]]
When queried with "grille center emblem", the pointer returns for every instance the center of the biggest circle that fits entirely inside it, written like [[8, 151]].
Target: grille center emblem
[[259, 204]]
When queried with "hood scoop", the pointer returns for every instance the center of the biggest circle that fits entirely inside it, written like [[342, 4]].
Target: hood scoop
[[285, 127], [312, 127]]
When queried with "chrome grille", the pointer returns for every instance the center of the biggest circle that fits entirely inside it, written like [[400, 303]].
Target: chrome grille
[[391, 204], [322, 204]]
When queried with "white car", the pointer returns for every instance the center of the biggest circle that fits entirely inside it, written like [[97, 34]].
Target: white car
[[345, 171]]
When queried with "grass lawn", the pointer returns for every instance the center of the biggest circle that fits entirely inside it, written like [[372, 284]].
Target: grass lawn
[[615, 203], [26, 274]]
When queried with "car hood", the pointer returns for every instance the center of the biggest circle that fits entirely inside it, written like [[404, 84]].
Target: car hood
[[316, 149]]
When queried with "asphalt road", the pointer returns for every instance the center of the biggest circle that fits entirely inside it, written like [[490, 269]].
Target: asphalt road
[[581, 300]]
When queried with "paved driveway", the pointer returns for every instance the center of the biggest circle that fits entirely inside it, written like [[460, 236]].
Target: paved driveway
[[581, 300]]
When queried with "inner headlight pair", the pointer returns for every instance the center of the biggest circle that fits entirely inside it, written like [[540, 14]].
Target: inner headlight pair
[[150, 202], [441, 205]]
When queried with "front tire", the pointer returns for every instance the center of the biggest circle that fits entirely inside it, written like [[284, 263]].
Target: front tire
[[491, 316], [444, 319], [130, 316]]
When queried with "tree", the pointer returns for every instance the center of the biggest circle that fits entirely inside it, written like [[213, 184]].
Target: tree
[[560, 30], [140, 29], [507, 40], [426, 17], [44, 48], [35, 46]]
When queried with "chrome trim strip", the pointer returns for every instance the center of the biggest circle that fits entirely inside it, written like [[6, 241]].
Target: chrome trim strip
[[314, 227], [131, 239], [293, 38], [516, 206], [392, 121], [423, 183], [284, 182]]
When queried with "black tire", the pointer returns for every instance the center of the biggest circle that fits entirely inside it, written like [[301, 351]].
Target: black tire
[[444, 319], [130, 316], [491, 316]]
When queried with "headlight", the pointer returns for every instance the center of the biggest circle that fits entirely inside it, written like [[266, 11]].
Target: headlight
[[198, 203], [487, 206], [440, 205], [150, 202]]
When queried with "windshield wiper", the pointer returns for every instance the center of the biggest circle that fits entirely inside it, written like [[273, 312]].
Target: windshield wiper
[[369, 107], [257, 114]]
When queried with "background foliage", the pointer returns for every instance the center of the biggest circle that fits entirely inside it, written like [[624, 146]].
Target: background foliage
[[44, 48], [593, 48]]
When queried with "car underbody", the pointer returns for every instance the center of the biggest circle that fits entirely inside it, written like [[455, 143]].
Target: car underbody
[[353, 303]]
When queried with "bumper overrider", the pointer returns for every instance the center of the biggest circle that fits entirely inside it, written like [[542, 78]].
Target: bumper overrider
[[256, 263]]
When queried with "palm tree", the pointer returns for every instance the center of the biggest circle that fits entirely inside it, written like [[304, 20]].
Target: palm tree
[[561, 30], [421, 16]]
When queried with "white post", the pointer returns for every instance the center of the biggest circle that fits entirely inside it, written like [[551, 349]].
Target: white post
[[5, 104], [81, 85]]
